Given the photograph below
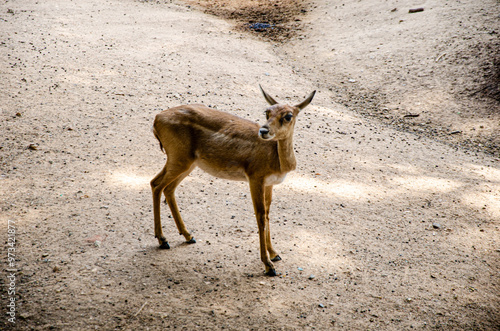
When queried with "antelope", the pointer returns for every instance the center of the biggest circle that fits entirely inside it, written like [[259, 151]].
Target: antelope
[[228, 147]]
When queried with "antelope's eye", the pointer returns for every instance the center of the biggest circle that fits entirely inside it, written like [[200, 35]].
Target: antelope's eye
[[288, 117], [267, 114]]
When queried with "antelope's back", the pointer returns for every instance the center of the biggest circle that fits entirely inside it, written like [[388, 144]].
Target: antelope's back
[[221, 144]]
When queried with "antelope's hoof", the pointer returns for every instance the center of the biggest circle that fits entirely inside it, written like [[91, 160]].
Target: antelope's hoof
[[164, 245], [191, 241], [271, 272], [276, 258]]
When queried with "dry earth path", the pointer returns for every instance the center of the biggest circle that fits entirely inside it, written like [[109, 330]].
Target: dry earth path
[[378, 229]]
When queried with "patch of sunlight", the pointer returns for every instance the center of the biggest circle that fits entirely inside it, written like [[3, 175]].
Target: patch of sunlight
[[406, 168], [462, 239], [426, 183], [341, 188], [357, 190], [130, 179], [488, 173], [483, 201]]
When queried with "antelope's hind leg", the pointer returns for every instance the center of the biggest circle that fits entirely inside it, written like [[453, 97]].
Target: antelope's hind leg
[[170, 176], [169, 193]]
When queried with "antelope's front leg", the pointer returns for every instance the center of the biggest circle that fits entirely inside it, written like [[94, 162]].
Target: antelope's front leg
[[259, 204], [269, 197]]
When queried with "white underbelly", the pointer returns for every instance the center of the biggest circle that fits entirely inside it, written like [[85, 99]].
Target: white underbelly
[[231, 173], [236, 173]]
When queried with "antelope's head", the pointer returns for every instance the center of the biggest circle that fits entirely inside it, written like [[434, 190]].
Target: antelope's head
[[281, 118]]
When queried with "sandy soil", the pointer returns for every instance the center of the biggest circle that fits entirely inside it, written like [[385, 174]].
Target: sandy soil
[[388, 223]]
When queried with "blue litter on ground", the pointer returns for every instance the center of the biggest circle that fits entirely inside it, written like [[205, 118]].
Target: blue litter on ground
[[260, 26]]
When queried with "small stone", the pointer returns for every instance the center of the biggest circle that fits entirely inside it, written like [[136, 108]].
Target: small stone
[[300, 269], [25, 316], [312, 277], [321, 305], [97, 243], [415, 10], [436, 225]]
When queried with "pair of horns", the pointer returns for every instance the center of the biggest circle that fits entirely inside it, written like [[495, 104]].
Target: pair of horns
[[301, 105]]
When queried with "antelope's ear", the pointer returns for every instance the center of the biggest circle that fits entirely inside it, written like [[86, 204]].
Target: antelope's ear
[[268, 98], [307, 101]]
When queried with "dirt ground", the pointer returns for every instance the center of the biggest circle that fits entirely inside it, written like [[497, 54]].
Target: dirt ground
[[390, 222]]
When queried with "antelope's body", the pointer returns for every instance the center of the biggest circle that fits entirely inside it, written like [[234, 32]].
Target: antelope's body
[[226, 146], [217, 142]]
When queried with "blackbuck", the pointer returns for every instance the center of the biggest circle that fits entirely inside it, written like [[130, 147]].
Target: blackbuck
[[229, 147]]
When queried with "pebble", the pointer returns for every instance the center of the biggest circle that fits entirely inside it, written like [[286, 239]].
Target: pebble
[[312, 277], [415, 10], [300, 269], [436, 225]]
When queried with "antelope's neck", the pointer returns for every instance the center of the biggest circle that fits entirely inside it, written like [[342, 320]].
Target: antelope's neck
[[286, 155]]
